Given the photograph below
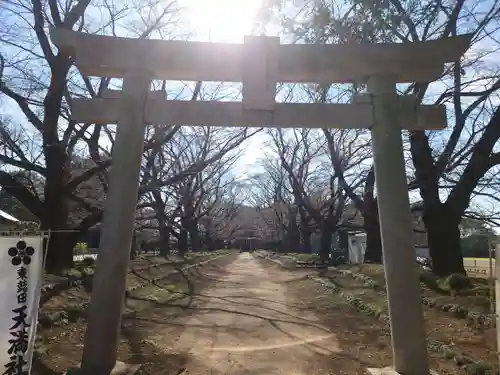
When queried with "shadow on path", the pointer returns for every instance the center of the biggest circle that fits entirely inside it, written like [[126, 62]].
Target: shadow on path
[[243, 323]]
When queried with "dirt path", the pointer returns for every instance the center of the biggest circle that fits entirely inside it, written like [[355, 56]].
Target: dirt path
[[244, 324]]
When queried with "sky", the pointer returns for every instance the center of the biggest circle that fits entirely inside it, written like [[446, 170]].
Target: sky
[[228, 21]]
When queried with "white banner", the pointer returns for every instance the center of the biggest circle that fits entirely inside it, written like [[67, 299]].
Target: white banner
[[21, 272]]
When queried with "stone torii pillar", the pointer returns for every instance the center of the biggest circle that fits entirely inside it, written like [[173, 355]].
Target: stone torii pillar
[[110, 278], [260, 64], [396, 227]]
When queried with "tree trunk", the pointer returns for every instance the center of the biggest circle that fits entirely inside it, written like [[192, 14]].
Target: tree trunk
[[373, 252], [292, 241], [133, 247], [183, 236], [194, 235], [293, 234], [325, 242], [441, 220], [306, 241], [56, 212], [443, 237], [344, 243], [305, 233], [210, 242], [60, 251], [55, 207], [164, 240], [371, 225]]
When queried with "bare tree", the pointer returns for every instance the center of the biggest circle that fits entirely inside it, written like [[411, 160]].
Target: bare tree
[[350, 155], [204, 157], [222, 209], [319, 205], [466, 154], [272, 197], [450, 168], [37, 83]]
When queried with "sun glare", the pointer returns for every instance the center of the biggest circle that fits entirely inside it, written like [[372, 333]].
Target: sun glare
[[221, 20]]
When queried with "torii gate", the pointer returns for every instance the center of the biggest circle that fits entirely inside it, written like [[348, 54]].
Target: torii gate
[[260, 63]]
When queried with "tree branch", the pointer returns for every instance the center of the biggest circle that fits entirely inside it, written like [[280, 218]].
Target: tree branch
[[21, 193]]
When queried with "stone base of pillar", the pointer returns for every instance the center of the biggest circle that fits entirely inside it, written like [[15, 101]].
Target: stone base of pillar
[[120, 368], [390, 371]]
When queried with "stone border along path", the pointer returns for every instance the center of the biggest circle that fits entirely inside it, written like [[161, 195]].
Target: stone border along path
[[45, 320], [455, 310], [71, 281], [471, 366], [452, 309], [75, 281]]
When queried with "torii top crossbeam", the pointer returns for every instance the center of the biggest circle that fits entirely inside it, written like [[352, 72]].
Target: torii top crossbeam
[[259, 64], [107, 56]]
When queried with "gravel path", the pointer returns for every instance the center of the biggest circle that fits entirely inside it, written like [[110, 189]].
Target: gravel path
[[244, 324]]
